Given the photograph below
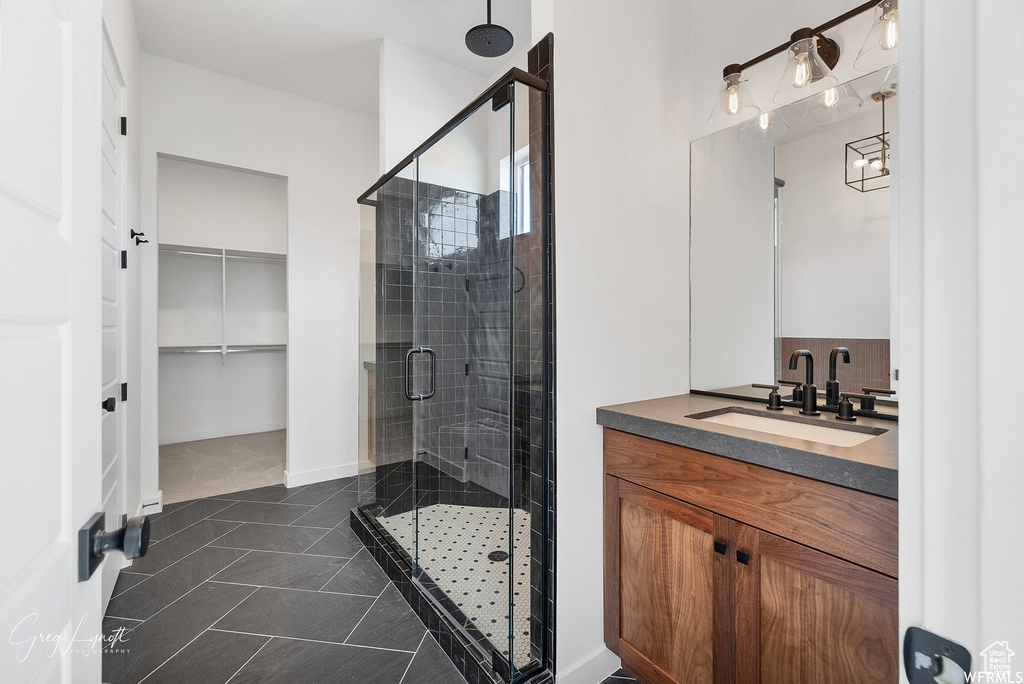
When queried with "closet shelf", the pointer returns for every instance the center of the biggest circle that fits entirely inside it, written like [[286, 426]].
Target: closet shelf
[[222, 253], [229, 349]]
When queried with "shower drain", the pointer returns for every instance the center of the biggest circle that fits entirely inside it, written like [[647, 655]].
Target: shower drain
[[497, 556]]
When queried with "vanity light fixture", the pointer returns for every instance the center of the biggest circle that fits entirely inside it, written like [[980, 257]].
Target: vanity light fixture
[[834, 104], [734, 103], [812, 56], [881, 40], [764, 127], [868, 159]]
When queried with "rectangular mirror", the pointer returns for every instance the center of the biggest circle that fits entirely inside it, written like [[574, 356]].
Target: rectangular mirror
[[792, 245]]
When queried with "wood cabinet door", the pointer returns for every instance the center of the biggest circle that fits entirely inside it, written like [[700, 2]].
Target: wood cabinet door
[[664, 586], [805, 617]]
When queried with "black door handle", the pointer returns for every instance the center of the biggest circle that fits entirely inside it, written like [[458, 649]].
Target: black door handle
[[109, 404], [743, 557], [719, 548], [93, 542], [433, 373]]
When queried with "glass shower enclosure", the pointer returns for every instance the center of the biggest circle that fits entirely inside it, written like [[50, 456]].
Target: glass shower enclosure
[[456, 348]]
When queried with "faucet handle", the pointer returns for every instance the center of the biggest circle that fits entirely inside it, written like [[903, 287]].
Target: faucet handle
[[798, 388], [867, 401], [873, 390], [774, 398]]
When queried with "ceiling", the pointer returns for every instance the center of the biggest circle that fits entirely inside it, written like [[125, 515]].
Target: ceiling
[[326, 50]]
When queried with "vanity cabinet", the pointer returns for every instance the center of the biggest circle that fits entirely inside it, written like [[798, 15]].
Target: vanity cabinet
[[715, 571]]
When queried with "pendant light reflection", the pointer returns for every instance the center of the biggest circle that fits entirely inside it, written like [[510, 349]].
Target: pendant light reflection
[[734, 104], [882, 40], [805, 73], [764, 128], [834, 104]]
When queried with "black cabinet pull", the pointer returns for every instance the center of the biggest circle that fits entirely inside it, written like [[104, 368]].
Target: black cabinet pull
[[109, 404], [720, 548], [743, 557]]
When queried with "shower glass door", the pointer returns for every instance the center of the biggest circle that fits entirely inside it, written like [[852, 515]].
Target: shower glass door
[[466, 532], [455, 472]]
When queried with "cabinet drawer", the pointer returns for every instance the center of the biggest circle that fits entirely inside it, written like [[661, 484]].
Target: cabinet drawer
[[853, 525]]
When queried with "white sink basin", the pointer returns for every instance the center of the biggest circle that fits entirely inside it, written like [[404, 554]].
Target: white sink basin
[[785, 428]]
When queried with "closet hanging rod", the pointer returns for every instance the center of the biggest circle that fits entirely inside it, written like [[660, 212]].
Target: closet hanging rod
[[230, 349]]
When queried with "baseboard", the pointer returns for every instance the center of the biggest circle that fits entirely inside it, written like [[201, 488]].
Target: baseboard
[[220, 431], [305, 477], [595, 668]]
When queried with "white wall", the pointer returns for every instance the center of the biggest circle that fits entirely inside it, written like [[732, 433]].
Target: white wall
[[418, 95], [329, 156], [732, 265], [834, 239], [621, 204], [202, 205], [960, 321], [119, 21], [202, 398]]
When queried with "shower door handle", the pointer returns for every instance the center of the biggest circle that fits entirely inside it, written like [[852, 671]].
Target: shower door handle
[[433, 373]]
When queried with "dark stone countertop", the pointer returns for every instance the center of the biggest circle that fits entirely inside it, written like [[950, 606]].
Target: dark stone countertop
[[868, 467]]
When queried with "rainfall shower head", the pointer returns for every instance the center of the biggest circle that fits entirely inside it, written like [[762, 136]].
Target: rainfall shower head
[[489, 40]]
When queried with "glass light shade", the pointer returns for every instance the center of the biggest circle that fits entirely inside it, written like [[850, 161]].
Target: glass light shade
[[734, 103], [879, 49], [764, 128], [833, 104], [806, 73]]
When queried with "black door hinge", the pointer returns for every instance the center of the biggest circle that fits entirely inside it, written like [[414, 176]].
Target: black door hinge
[[124, 391], [467, 284], [124, 258], [124, 125], [467, 369], [465, 456]]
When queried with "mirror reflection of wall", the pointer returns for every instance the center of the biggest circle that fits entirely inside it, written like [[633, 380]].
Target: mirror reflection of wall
[[808, 267]]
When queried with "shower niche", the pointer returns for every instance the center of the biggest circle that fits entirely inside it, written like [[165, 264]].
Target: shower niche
[[456, 481]]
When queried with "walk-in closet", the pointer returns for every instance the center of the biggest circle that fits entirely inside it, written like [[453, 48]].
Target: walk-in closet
[[222, 328]]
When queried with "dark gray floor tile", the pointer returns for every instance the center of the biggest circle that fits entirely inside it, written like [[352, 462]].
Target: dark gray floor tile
[[286, 570], [390, 623], [157, 639], [170, 508], [298, 614], [114, 627], [275, 513], [271, 494], [309, 662], [361, 575], [145, 599], [341, 542], [271, 537], [175, 521], [432, 666], [317, 493], [126, 580], [161, 554], [211, 659], [331, 512]]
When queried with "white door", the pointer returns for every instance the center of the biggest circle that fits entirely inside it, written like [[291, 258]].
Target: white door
[[50, 335], [115, 503]]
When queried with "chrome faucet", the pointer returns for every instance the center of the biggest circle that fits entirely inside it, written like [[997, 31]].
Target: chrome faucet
[[810, 392]]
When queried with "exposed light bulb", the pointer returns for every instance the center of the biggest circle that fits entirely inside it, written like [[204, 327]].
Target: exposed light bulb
[[860, 163], [890, 36], [802, 73], [734, 101], [762, 122], [877, 164], [830, 98]]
